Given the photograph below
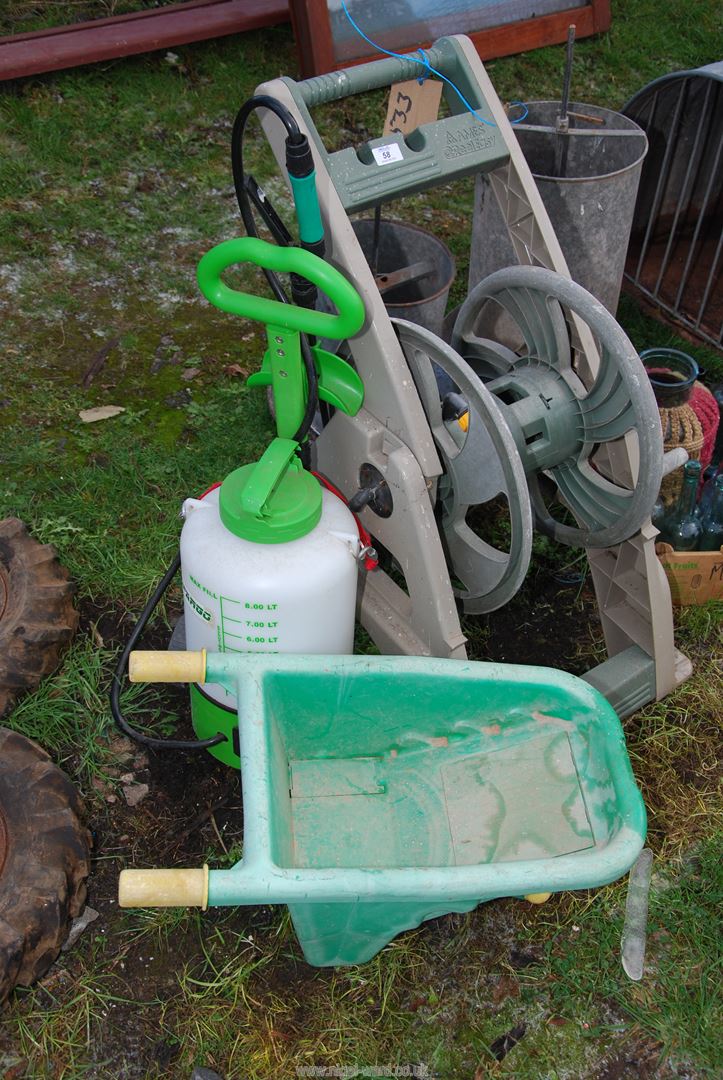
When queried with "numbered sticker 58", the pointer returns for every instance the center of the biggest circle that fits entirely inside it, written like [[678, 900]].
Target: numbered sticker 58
[[383, 155]]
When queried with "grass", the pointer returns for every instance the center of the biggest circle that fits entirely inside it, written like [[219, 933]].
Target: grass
[[100, 493], [682, 1006], [114, 180]]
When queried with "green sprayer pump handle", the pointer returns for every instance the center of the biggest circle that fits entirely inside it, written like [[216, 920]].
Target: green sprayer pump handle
[[285, 259], [270, 470]]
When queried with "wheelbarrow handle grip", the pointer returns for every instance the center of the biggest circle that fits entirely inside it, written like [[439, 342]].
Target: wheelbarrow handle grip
[[173, 665], [285, 259]]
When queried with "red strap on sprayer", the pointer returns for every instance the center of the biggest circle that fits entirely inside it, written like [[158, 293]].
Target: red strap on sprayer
[[209, 490], [371, 562]]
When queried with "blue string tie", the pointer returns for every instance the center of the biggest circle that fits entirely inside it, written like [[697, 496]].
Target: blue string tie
[[429, 70]]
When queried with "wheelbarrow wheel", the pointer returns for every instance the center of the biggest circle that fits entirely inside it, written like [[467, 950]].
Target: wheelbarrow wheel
[[37, 617], [44, 860]]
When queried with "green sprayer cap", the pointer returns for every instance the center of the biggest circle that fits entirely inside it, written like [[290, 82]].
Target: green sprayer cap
[[272, 500]]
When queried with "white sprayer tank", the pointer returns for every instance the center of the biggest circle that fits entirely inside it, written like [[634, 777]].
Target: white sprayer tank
[[293, 597]]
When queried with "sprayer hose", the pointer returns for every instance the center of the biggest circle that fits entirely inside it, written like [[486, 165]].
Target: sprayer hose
[[118, 675]]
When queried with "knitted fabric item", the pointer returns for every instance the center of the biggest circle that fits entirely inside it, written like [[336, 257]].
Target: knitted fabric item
[[705, 407], [681, 427]]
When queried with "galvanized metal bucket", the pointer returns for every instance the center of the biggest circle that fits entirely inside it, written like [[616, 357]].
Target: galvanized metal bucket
[[588, 180], [422, 299]]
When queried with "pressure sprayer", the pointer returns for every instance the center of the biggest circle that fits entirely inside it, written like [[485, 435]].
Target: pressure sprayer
[[270, 557]]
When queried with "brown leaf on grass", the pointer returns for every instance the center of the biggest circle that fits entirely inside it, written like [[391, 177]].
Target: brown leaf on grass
[[507, 987], [236, 369], [101, 412], [17, 1070]]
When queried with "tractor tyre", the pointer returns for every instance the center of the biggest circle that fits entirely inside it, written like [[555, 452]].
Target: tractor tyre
[[44, 860], [37, 617]]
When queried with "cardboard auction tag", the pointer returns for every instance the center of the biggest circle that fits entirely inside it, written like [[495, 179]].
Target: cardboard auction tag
[[411, 104]]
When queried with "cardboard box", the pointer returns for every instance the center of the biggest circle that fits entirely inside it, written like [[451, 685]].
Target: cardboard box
[[694, 576]]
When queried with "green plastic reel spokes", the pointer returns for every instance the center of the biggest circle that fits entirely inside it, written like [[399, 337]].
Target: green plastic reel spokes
[[563, 418]]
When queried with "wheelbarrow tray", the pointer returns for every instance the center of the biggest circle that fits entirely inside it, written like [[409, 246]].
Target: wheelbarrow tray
[[382, 791]]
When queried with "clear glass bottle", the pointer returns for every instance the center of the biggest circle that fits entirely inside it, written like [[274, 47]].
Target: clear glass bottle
[[712, 523], [683, 529]]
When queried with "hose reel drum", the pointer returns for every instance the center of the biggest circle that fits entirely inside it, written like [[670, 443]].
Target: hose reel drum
[[534, 417]]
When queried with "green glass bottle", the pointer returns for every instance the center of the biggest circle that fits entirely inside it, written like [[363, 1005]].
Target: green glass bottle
[[706, 494], [712, 538], [659, 518], [683, 530]]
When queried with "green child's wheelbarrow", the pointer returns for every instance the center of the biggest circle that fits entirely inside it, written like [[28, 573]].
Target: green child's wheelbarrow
[[382, 791]]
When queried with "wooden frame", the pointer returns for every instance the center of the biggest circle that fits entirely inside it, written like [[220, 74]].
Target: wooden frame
[[61, 47], [315, 45]]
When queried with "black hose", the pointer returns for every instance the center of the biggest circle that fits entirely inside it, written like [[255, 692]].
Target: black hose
[[147, 740], [262, 101]]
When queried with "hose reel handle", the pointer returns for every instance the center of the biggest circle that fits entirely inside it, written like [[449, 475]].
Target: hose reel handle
[[378, 74]]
